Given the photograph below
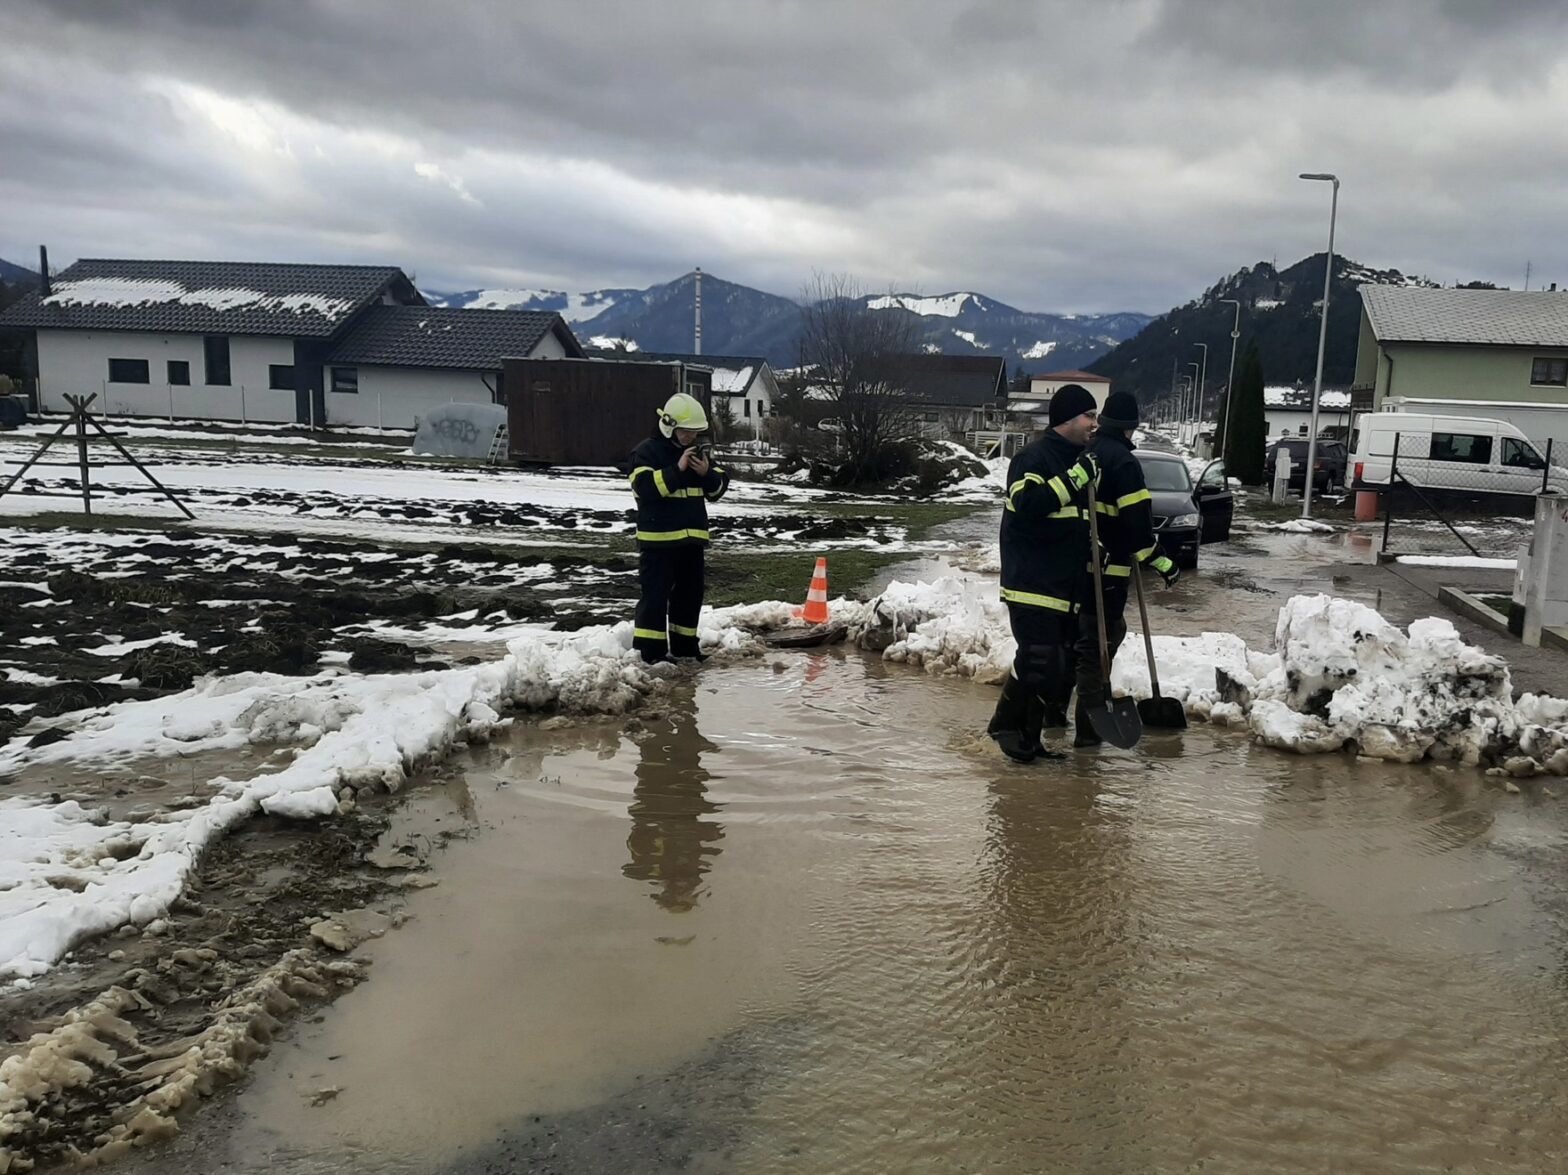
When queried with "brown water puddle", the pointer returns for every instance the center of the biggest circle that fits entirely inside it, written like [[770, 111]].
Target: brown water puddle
[[806, 921]]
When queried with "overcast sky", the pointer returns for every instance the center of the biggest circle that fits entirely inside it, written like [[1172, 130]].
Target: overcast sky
[[1061, 156]]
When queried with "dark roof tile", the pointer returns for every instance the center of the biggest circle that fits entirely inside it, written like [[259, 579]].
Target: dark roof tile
[[207, 297], [429, 336]]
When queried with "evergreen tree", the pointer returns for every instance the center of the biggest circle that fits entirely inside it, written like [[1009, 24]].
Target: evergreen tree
[[1244, 452]]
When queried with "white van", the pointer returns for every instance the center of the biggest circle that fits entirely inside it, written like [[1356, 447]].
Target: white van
[[1465, 454]]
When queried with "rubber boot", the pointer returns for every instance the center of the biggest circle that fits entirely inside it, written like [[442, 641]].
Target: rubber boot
[[1084, 734], [1037, 717], [1009, 724]]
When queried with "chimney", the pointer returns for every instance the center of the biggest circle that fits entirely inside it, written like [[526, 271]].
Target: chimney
[[43, 271], [697, 348]]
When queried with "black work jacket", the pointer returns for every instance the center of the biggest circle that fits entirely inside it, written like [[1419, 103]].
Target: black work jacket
[[1045, 528], [672, 503], [1124, 506]]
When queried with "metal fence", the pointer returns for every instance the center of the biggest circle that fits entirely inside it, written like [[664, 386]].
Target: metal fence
[[1450, 490]]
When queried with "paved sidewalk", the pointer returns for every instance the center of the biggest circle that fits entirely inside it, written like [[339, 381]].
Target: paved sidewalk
[[1407, 592]]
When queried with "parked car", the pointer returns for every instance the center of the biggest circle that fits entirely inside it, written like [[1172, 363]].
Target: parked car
[[1186, 515], [1458, 454], [1331, 459]]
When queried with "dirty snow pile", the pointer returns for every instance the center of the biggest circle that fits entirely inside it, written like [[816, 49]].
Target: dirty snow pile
[[1300, 526], [1340, 676]]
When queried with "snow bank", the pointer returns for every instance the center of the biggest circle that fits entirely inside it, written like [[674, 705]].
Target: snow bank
[[1340, 676]]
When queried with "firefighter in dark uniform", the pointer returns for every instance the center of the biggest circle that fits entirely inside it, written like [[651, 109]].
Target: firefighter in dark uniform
[[674, 480], [1126, 521], [1045, 551]]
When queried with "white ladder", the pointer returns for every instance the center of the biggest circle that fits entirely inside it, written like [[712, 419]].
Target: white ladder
[[498, 445]]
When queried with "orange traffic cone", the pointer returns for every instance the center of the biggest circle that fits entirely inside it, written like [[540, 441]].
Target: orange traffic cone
[[816, 609]]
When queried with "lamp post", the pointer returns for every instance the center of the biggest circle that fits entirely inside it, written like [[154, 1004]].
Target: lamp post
[[1194, 402], [1230, 380], [1317, 383], [1203, 379]]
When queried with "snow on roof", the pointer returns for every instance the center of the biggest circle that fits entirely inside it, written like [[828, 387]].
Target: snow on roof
[[730, 381], [946, 305], [147, 291], [1288, 398], [1507, 318], [612, 343]]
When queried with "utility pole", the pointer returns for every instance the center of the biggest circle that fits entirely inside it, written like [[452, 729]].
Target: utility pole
[[1230, 380], [1317, 386], [1203, 379], [697, 347]]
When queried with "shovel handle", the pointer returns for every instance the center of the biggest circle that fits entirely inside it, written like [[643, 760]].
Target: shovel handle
[[1099, 593], [1143, 615]]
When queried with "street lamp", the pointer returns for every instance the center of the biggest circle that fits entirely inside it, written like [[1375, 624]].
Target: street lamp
[[1230, 380], [1203, 379], [1193, 385], [1317, 384]]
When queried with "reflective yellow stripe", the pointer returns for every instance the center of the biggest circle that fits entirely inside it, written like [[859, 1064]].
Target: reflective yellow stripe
[[1117, 569], [1069, 512], [1163, 563], [1014, 596], [1133, 499], [641, 469], [1063, 494], [683, 630], [658, 480], [1106, 508], [670, 536], [1023, 482], [1146, 554], [647, 634], [688, 492]]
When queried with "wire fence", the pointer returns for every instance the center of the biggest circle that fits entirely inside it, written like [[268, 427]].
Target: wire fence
[[1447, 490]]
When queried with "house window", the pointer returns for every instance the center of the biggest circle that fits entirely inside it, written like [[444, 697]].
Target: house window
[[1551, 372], [345, 380], [1301, 431], [930, 417], [280, 377], [179, 372], [1461, 446], [215, 350], [128, 371], [746, 409]]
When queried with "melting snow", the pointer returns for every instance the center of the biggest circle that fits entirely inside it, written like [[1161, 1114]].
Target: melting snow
[[969, 337], [1040, 350]]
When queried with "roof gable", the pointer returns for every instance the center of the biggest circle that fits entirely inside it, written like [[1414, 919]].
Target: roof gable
[[208, 297], [1507, 318], [449, 337], [969, 381]]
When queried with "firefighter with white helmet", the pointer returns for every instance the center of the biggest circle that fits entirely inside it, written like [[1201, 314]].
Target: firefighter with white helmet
[[674, 478]]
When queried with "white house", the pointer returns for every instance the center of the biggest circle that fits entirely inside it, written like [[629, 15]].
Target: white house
[[318, 345], [1288, 411], [748, 380], [1043, 387]]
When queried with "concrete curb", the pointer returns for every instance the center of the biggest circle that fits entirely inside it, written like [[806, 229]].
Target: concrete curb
[[1472, 609]]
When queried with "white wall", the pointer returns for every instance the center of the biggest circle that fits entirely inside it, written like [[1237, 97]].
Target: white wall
[[1044, 389], [1292, 420], [398, 397], [77, 362]]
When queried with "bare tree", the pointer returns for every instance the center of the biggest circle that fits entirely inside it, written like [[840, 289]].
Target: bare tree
[[858, 357], [722, 409]]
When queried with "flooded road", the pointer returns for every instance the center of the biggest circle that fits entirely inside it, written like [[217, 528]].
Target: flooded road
[[800, 918]]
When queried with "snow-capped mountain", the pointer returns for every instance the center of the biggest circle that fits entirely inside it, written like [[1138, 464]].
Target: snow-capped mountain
[[739, 320], [575, 308]]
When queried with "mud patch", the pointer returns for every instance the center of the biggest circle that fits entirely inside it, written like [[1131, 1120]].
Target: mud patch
[[109, 1049]]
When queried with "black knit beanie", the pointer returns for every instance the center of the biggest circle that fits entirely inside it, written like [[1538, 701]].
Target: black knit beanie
[[1069, 401], [1120, 411]]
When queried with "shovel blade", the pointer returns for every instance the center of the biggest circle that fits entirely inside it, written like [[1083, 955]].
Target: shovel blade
[[1162, 714], [1117, 722]]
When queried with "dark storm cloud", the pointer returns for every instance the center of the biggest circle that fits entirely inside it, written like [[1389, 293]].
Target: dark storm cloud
[[1057, 155]]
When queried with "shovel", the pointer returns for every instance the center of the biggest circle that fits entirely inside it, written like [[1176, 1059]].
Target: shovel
[[1160, 713], [1115, 719]]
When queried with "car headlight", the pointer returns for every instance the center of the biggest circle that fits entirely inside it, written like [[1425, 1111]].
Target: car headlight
[[1184, 520]]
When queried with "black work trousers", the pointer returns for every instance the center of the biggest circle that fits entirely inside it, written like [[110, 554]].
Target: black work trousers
[[1042, 676], [672, 582], [1092, 686]]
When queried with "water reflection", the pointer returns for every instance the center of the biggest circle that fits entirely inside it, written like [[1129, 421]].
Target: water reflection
[[671, 845]]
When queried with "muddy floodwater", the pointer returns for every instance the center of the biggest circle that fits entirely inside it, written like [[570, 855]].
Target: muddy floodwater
[[799, 919]]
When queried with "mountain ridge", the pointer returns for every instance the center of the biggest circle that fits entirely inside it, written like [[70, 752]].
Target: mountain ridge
[[741, 320]]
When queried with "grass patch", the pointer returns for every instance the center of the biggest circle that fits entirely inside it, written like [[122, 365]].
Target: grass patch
[[1502, 605]]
